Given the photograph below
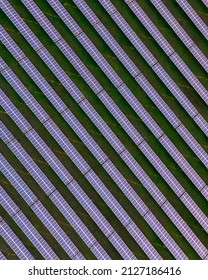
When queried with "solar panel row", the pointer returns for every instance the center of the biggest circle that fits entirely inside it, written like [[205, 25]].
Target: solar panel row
[[195, 146], [184, 101], [153, 30], [159, 102], [99, 59], [120, 117], [191, 78], [181, 161], [16, 19], [100, 220], [79, 226], [113, 204], [195, 210]]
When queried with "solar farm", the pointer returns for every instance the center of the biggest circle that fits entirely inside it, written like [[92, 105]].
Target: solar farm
[[103, 129]]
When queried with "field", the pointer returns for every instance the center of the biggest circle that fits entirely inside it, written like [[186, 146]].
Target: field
[[154, 169]]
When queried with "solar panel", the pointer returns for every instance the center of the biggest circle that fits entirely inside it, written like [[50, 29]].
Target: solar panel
[[141, 112], [31, 166], [159, 102], [82, 5], [10, 44], [205, 2], [204, 191], [102, 126], [8, 203], [42, 19], [126, 188], [79, 65], [202, 59], [5, 134], [195, 210], [144, 179], [90, 207], [134, 38], [102, 63], [49, 156]]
